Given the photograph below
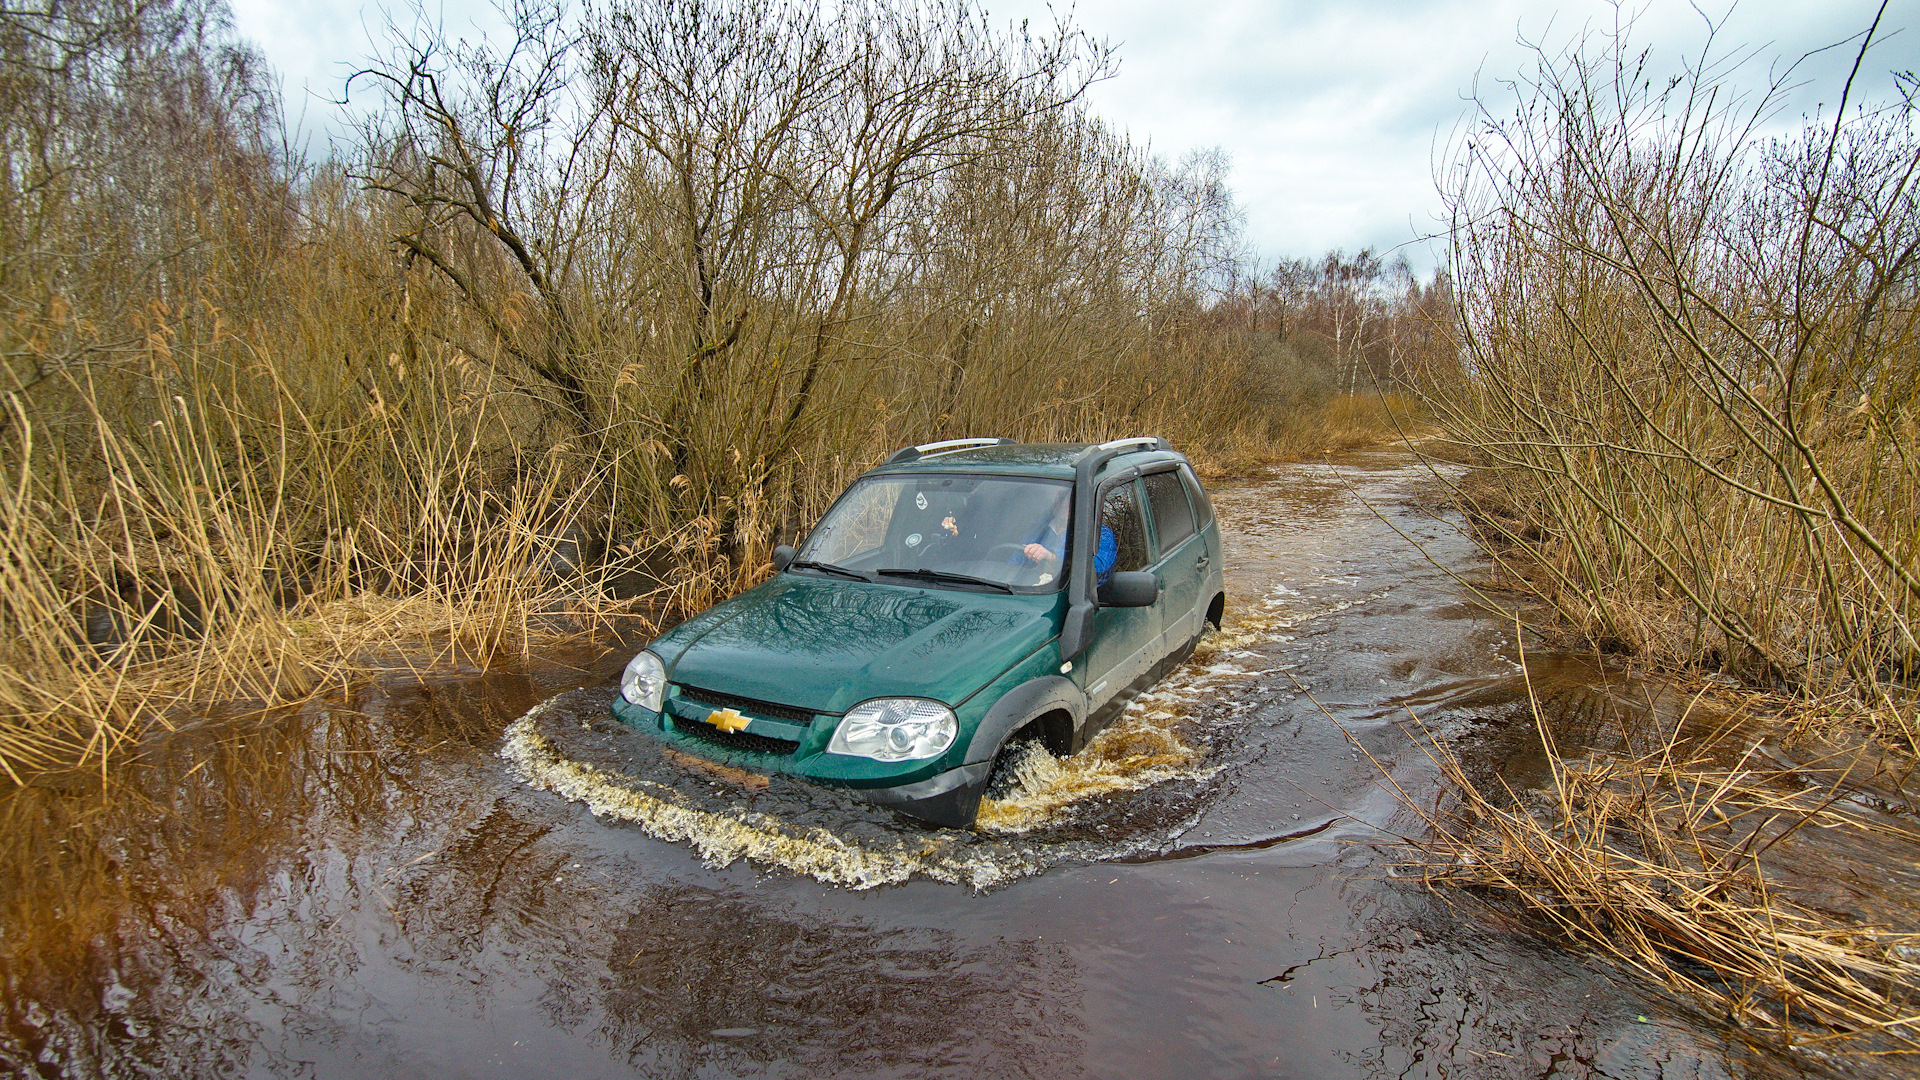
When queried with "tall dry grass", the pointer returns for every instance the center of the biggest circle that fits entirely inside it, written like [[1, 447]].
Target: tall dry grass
[[231, 549], [559, 334], [1687, 380], [1689, 370]]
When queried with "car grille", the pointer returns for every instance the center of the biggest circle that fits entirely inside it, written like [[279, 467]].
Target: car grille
[[731, 701], [734, 740]]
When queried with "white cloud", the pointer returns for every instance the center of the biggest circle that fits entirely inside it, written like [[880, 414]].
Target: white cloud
[[1332, 112], [314, 45]]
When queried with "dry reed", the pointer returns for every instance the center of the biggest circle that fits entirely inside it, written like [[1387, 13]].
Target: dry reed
[[1667, 861], [1688, 370], [1687, 385], [268, 424]]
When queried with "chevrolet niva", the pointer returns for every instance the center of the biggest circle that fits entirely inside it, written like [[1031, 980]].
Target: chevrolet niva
[[960, 598]]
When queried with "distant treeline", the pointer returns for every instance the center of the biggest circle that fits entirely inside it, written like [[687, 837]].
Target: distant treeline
[[610, 303]]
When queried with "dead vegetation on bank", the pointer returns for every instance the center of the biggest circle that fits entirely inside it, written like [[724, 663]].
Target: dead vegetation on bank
[[1695, 370], [1684, 853], [1689, 394]]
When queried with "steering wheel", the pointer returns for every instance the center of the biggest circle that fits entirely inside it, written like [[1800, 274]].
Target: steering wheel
[[1003, 550]]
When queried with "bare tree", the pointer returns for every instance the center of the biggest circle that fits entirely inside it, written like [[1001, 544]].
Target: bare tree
[[134, 134], [717, 171], [501, 163], [1691, 360]]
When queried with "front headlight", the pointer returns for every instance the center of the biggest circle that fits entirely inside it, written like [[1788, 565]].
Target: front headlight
[[895, 729], [645, 681]]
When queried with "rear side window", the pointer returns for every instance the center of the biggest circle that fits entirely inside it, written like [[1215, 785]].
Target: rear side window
[[1120, 511], [1202, 509], [1172, 515]]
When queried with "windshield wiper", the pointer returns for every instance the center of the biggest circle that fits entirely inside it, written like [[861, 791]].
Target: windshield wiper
[[944, 575], [828, 568]]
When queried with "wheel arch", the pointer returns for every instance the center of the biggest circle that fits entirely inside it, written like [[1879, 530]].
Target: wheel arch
[[1052, 701], [1055, 728]]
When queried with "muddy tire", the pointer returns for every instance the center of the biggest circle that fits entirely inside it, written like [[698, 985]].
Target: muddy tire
[[1005, 777]]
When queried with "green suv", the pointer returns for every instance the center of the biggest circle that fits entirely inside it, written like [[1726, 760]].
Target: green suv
[[962, 595]]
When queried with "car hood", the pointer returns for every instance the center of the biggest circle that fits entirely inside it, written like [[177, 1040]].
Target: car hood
[[825, 644]]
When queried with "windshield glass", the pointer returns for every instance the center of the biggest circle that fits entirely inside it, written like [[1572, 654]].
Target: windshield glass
[[934, 529]]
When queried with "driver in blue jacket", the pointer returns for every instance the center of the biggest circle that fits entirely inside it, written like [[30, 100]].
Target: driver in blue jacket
[[1047, 543]]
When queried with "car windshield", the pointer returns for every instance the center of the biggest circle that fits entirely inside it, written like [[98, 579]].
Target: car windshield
[[954, 530]]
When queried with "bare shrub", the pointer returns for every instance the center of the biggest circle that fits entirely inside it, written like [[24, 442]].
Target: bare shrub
[[1692, 366], [1687, 375]]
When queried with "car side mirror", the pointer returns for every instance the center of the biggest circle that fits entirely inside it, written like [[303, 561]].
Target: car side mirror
[[1130, 588], [782, 556]]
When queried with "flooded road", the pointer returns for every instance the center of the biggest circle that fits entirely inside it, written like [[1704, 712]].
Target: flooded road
[[487, 878]]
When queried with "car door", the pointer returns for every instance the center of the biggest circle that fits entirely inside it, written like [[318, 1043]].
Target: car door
[[1181, 559], [1125, 640], [1213, 579]]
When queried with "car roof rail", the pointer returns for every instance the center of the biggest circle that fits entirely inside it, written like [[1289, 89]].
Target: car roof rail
[[1131, 444], [948, 446]]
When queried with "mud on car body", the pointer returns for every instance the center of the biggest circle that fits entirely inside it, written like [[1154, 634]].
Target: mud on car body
[[935, 615]]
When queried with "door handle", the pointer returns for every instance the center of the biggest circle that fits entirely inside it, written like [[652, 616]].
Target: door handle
[[1201, 563]]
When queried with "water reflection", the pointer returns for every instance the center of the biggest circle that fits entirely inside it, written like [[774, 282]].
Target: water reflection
[[1444, 993], [709, 984], [155, 920], [925, 644], [118, 908], [828, 616], [489, 873]]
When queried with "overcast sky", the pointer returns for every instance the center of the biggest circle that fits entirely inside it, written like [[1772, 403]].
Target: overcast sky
[[1333, 114]]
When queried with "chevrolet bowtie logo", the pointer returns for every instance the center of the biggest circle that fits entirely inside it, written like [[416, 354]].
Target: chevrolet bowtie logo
[[727, 720]]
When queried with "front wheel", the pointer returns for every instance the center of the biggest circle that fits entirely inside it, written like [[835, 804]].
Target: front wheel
[[1013, 766]]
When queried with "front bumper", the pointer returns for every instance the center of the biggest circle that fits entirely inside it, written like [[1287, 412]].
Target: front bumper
[[920, 789], [951, 799]]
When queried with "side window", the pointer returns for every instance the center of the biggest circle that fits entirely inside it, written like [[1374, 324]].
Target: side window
[[1172, 516], [1202, 508], [1120, 512]]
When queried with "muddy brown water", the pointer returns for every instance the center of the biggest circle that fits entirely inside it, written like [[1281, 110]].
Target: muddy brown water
[[484, 877]]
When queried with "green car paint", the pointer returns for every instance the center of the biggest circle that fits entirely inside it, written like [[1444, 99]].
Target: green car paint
[[821, 646], [781, 664], [825, 645]]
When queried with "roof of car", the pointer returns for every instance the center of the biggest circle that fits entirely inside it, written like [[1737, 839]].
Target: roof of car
[[1055, 460]]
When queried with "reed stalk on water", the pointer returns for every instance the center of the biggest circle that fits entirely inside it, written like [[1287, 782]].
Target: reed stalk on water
[[1667, 857]]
